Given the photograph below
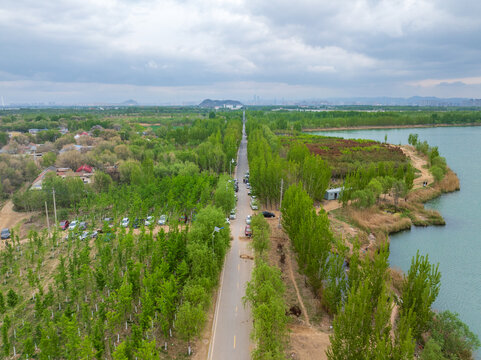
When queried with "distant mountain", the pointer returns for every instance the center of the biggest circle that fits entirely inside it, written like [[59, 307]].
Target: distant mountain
[[130, 102], [211, 104]]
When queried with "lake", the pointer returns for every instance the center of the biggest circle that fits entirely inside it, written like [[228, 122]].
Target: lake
[[456, 246]]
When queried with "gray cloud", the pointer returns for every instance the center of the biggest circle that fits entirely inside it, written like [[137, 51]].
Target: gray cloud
[[167, 49]]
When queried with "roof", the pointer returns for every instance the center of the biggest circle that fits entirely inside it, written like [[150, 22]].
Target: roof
[[335, 190], [85, 168]]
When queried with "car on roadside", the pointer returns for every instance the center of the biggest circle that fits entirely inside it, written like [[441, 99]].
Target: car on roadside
[[268, 214], [162, 220], [125, 222], [64, 224], [84, 235], [5, 234], [232, 215], [254, 205], [82, 225], [73, 225], [248, 231], [227, 221], [149, 220], [248, 219]]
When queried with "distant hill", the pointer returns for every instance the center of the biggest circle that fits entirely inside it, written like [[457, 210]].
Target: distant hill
[[130, 102], [211, 104]]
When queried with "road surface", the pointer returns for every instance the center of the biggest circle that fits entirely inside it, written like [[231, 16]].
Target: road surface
[[232, 321]]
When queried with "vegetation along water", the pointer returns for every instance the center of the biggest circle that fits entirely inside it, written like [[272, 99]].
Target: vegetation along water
[[455, 246]]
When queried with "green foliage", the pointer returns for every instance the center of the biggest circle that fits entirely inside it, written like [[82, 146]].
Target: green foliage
[[437, 172], [309, 233], [12, 298], [224, 195], [265, 294], [450, 337], [419, 291]]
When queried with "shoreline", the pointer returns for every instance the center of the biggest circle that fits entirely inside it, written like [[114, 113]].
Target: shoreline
[[381, 127]]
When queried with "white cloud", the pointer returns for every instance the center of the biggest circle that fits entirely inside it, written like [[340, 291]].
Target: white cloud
[[344, 44]]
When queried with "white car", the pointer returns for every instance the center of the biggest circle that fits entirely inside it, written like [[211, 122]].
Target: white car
[[73, 225], [248, 219], [162, 220], [125, 222], [149, 221], [232, 215], [254, 205], [227, 221]]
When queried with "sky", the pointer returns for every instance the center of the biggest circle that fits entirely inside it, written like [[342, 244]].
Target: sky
[[177, 51]]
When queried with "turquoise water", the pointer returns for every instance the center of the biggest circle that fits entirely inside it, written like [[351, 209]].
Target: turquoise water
[[456, 246]]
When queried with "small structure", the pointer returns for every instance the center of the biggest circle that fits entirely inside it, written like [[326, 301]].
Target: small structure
[[333, 194]]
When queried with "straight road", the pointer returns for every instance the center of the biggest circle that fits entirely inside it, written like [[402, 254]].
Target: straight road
[[232, 321]]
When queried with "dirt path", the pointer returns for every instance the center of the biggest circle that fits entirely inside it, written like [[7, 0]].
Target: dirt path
[[394, 314], [291, 275], [9, 218], [420, 164], [329, 205], [309, 344]]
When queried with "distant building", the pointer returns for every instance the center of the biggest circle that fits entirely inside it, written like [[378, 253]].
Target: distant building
[[333, 194]]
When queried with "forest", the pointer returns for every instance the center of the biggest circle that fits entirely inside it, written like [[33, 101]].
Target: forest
[[355, 287], [127, 292], [143, 291]]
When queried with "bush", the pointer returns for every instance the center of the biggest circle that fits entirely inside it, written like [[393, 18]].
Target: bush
[[437, 172], [452, 337]]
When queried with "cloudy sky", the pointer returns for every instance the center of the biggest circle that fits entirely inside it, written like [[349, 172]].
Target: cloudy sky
[[159, 51]]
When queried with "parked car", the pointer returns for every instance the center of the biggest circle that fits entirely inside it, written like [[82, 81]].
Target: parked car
[[236, 188], [64, 224], [227, 221], [149, 221], [73, 225], [84, 235], [5, 234], [232, 215], [248, 219], [268, 214], [248, 231], [125, 222], [82, 225], [94, 234], [162, 220], [254, 205]]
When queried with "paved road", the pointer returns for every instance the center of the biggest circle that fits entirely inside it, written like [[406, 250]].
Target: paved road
[[232, 322]]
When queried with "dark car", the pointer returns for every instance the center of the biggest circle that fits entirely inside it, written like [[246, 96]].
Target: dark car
[[5, 234], [64, 224], [268, 214], [248, 231]]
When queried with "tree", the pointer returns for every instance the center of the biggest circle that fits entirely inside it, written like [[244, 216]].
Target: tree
[[49, 159], [102, 182], [452, 336], [12, 298], [72, 159], [189, 321], [413, 139], [2, 303], [419, 291]]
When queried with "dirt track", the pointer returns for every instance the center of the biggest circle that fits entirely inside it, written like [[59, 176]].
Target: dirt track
[[420, 164], [9, 218]]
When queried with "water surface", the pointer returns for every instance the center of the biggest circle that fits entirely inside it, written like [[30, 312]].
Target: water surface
[[456, 246]]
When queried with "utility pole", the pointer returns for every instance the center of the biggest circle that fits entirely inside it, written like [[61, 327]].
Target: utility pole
[[46, 213], [280, 203], [54, 207]]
